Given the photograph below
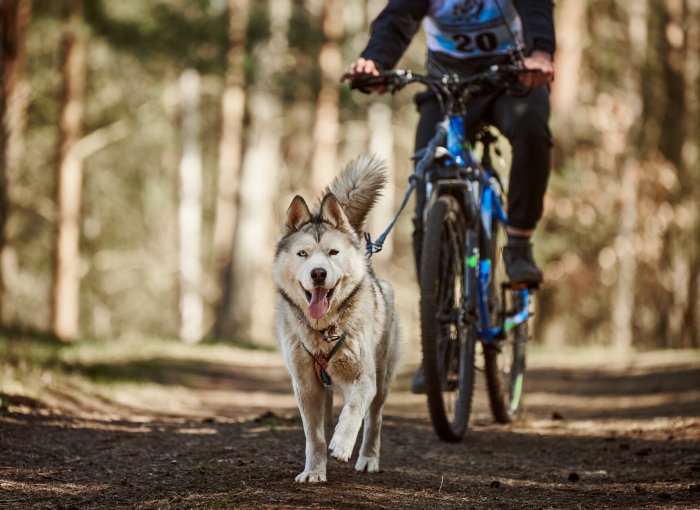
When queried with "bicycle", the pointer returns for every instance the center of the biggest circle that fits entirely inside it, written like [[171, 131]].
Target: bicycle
[[465, 296]]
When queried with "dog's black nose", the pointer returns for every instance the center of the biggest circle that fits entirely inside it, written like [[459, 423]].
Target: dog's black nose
[[318, 275]]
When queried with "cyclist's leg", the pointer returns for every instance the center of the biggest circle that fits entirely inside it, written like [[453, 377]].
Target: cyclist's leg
[[430, 115], [524, 121]]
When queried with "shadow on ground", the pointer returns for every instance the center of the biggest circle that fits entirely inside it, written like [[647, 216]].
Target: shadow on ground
[[63, 462], [588, 439], [195, 374]]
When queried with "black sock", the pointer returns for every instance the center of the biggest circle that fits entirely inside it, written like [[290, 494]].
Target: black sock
[[518, 240]]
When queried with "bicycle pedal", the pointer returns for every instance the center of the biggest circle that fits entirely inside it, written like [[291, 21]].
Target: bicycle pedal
[[521, 286]]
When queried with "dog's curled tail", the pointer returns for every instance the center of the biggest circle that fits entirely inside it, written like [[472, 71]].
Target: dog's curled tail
[[358, 187]]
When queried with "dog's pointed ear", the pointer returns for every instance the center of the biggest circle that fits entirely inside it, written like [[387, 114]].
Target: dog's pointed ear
[[297, 214], [332, 212]]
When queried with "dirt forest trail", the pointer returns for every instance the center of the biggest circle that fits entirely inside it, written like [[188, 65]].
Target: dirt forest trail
[[225, 433]]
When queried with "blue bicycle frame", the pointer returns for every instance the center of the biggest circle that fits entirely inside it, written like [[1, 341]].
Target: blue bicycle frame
[[489, 207]]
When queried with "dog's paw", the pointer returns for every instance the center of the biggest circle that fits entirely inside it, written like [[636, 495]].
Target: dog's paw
[[340, 449], [311, 477], [367, 464]]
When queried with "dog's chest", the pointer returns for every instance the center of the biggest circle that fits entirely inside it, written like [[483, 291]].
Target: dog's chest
[[346, 366], [332, 362]]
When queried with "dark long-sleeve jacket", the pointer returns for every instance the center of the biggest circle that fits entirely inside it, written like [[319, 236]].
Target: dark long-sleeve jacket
[[396, 25]]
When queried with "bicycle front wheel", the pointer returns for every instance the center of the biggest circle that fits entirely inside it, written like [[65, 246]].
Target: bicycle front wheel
[[504, 359], [447, 337]]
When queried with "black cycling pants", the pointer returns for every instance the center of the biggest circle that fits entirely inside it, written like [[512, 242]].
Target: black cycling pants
[[524, 121]]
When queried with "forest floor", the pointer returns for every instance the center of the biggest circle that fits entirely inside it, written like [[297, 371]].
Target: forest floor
[[158, 425]]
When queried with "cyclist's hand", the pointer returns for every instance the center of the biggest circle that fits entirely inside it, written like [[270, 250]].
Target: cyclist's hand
[[364, 67], [542, 61]]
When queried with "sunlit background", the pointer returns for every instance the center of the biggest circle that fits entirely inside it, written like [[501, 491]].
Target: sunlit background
[[150, 150]]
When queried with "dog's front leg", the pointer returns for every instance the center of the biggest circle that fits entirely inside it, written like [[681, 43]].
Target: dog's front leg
[[311, 399], [328, 417], [358, 396]]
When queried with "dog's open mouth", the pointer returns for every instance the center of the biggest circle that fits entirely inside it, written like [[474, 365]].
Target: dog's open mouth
[[319, 301]]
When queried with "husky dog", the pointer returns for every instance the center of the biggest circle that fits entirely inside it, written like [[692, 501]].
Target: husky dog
[[336, 322]]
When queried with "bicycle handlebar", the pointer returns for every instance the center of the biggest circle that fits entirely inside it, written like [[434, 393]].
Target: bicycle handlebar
[[494, 78]]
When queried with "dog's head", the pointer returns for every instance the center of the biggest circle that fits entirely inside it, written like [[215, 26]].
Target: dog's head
[[318, 261]]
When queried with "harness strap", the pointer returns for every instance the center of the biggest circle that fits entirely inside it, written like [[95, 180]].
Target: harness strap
[[321, 360], [376, 246], [425, 158]]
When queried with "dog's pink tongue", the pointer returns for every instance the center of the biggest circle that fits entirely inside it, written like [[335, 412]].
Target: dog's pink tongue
[[318, 306]]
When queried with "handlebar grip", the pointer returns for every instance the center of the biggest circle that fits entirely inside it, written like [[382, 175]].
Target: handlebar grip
[[364, 83]]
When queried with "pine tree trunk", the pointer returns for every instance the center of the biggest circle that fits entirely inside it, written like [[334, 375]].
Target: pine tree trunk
[[252, 295], [678, 133], [381, 143], [230, 152], [325, 141], [571, 32], [190, 211], [624, 297], [689, 333], [623, 303], [66, 287], [16, 15]]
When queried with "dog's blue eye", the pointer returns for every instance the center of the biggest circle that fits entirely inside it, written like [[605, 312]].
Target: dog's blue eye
[[302, 253], [333, 252]]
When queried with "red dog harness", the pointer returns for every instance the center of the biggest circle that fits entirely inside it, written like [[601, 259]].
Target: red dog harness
[[321, 360]]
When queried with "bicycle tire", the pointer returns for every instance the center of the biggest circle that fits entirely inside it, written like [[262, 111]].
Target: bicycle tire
[[448, 339], [504, 358]]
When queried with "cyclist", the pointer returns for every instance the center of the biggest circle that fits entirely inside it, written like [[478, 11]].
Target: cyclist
[[465, 37]]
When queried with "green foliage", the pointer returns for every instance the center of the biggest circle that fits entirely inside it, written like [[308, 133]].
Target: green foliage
[[47, 9], [305, 36], [305, 32], [259, 29], [189, 34], [258, 32], [23, 347]]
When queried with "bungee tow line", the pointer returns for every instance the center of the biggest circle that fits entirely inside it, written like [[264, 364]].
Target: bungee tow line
[[426, 158]]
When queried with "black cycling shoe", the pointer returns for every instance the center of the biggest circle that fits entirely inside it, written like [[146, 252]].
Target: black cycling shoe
[[520, 265], [418, 382]]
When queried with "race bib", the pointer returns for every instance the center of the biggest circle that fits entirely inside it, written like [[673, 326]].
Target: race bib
[[472, 28]]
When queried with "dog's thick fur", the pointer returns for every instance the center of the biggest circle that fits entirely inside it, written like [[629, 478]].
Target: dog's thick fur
[[328, 289]]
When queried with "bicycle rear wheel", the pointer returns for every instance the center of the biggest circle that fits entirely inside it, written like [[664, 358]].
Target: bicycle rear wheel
[[447, 337], [504, 359]]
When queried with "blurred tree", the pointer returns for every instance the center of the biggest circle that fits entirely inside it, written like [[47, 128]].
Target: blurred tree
[[622, 215], [172, 32], [624, 190], [252, 295], [571, 37], [690, 333], [326, 128], [628, 163], [190, 210], [15, 15], [381, 143], [679, 134], [230, 154], [66, 288]]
